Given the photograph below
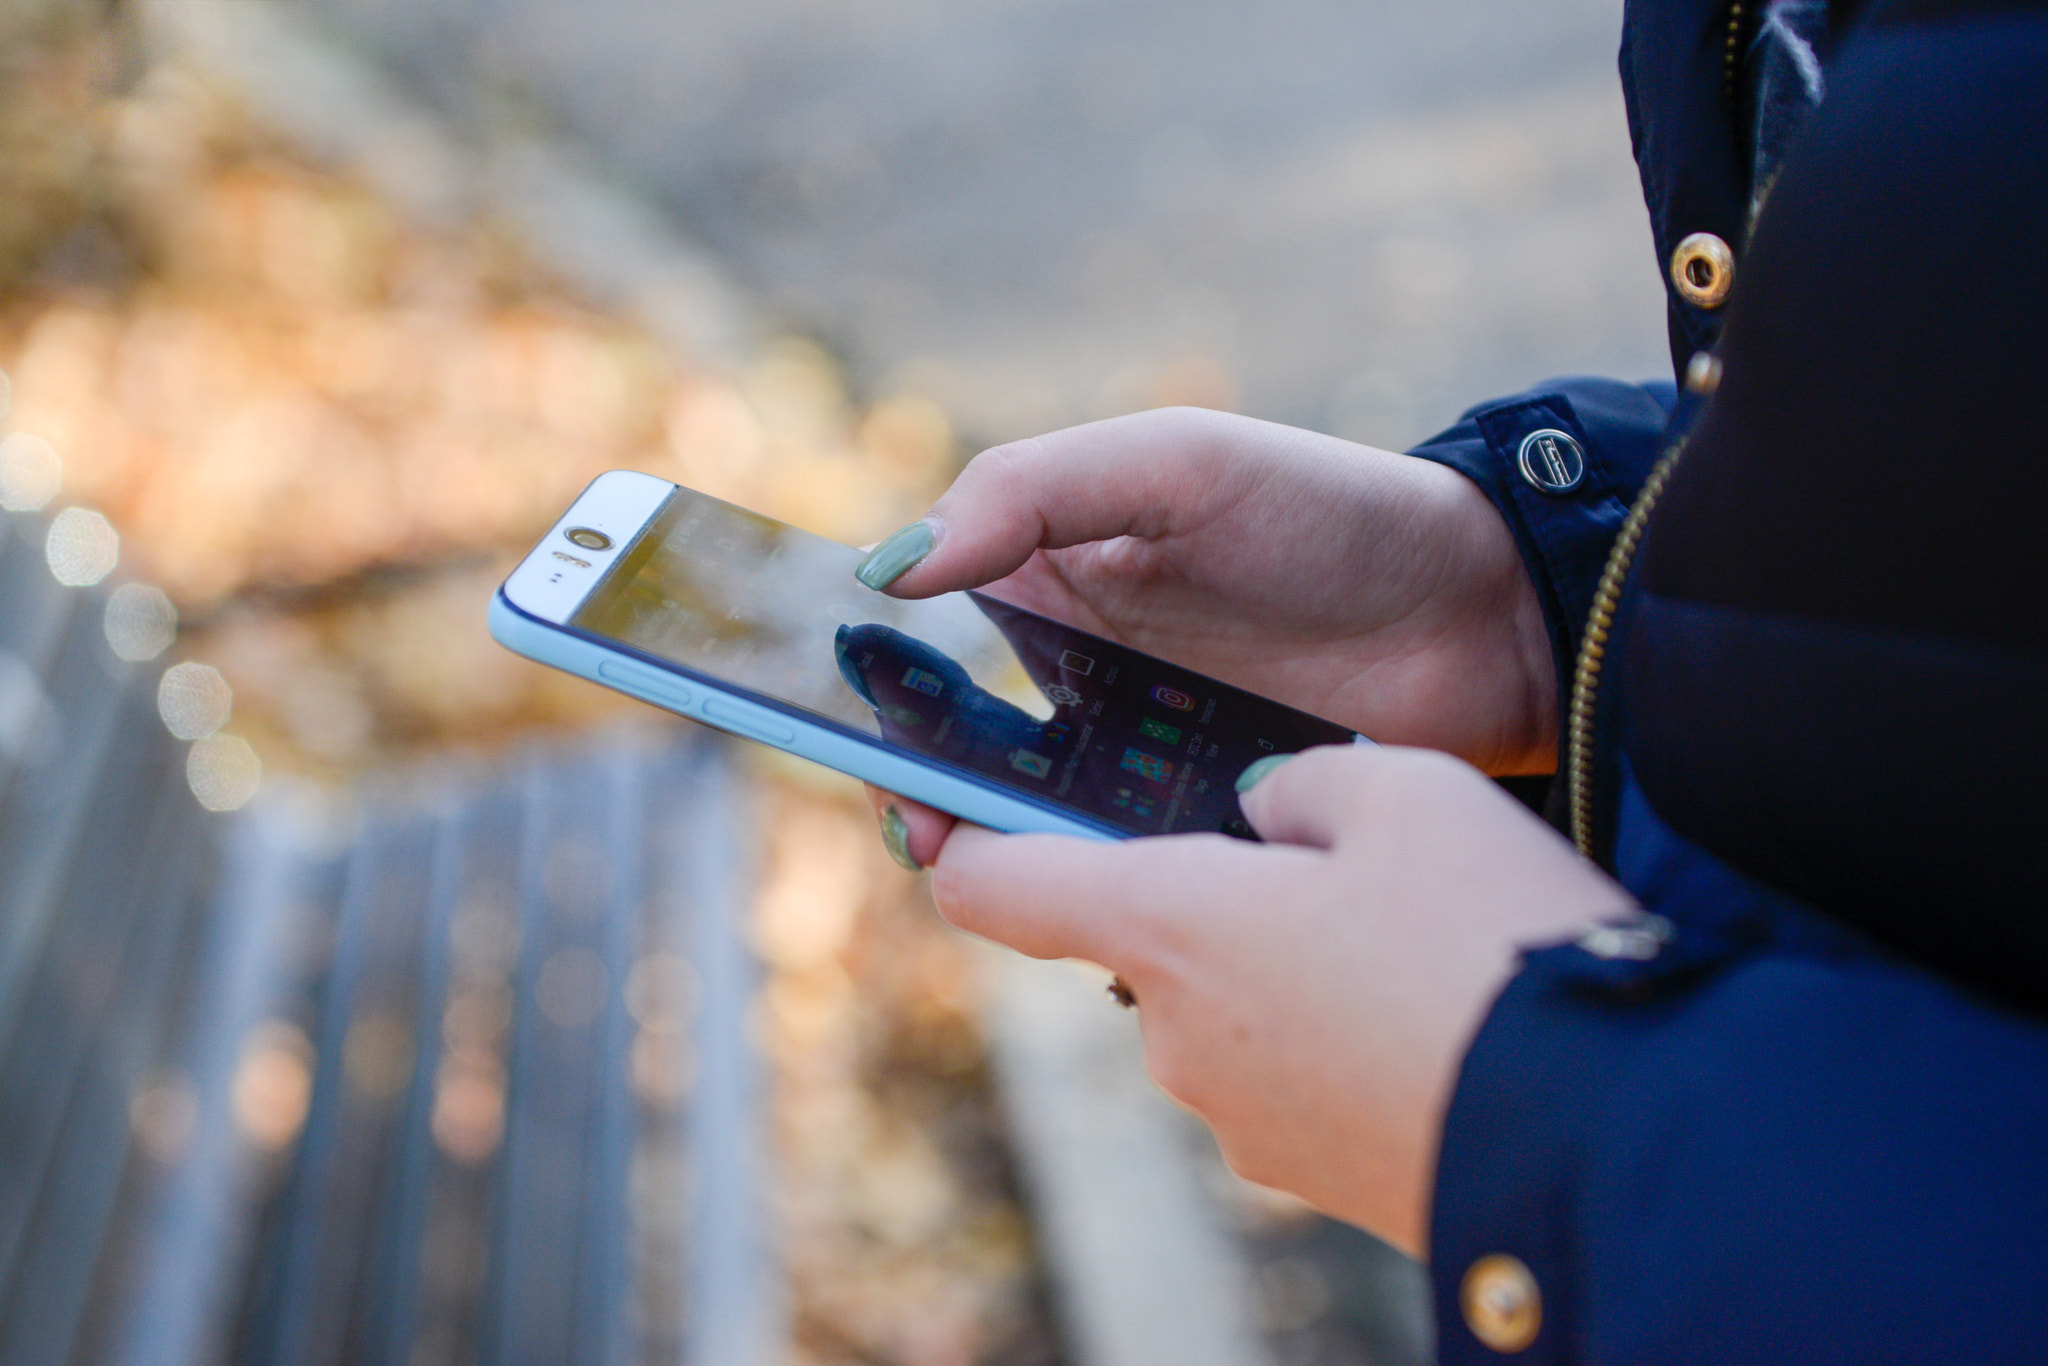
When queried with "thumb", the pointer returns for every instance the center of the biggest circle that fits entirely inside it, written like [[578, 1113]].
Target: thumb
[[1042, 895], [1311, 796]]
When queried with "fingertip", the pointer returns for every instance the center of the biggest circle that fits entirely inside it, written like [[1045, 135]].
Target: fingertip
[[911, 831], [1258, 770], [995, 515], [1298, 798], [896, 839], [900, 552]]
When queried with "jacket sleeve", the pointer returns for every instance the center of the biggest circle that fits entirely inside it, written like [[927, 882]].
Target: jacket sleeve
[[1783, 1127], [1563, 537], [1745, 1148]]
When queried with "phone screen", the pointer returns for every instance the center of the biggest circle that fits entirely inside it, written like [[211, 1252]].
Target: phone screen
[[1045, 710]]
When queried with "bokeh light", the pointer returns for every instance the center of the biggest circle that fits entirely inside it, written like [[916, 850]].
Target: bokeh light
[[194, 701], [469, 1107], [273, 1084], [30, 472], [223, 772], [140, 622], [83, 548]]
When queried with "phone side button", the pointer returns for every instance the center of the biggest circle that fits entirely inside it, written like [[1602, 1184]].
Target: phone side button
[[651, 684], [746, 721]]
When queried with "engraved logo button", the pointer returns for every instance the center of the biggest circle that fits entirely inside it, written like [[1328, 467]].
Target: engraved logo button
[[1552, 462], [1500, 1302]]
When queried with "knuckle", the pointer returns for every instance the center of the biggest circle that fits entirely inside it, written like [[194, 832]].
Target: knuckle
[[1002, 464]]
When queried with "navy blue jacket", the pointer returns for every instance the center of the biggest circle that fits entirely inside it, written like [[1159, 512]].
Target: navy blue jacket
[[1803, 1114]]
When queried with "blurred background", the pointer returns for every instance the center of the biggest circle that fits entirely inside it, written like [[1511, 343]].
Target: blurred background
[[314, 312]]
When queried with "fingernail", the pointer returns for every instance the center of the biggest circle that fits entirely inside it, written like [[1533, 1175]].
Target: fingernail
[[896, 839], [1257, 770], [898, 554]]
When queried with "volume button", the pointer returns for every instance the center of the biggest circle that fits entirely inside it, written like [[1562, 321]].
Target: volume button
[[652, 684], [747, 721]]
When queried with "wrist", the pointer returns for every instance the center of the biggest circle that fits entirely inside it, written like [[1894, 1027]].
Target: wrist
[[1515, 637]]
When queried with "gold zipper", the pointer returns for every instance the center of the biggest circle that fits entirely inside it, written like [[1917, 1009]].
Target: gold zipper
[[1593, 651], [1731, 55]]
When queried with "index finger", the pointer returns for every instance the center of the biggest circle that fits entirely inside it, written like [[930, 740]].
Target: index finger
[[1126, 476]]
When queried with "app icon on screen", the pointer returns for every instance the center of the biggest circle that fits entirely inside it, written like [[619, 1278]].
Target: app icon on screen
[[1030, 764], [1149, 766], [1172, 697], [1160, 731], [1077, 662], [930, 684], [1137, 804]]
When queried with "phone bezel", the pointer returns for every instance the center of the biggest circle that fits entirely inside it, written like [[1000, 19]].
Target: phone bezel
[[531, 612], [558, 575]]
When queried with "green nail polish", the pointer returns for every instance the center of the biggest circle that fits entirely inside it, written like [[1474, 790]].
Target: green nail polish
[[1258, 769], [896, 556], [896, 839]]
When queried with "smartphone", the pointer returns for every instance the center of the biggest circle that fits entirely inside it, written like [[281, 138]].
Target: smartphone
[[1000, 716]]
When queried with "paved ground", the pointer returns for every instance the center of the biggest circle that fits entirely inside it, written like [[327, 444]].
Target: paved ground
[[1352, 216]]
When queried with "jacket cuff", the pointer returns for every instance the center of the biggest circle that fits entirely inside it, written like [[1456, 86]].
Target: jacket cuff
[[1563, 533], [1735, 1140]]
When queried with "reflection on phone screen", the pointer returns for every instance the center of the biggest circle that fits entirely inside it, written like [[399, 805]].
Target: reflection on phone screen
[[1056, 714]]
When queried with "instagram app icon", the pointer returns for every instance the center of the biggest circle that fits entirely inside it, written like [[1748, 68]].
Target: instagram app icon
[[1172, 697]]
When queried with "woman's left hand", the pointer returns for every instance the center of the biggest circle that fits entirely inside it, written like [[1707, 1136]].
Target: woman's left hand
[[1311, 997]]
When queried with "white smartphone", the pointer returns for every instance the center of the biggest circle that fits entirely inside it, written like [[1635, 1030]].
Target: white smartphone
[[997, 715]]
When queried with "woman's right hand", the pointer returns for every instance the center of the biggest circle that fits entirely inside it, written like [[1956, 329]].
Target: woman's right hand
[[1375, 589]]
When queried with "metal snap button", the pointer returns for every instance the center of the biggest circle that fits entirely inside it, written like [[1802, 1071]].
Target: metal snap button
[[1703, 373], [1703, 270], [1638, 940], [1501, 1303], [1551, 461]]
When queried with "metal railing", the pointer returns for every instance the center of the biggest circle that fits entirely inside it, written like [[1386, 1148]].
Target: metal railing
[[454, 1069]]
